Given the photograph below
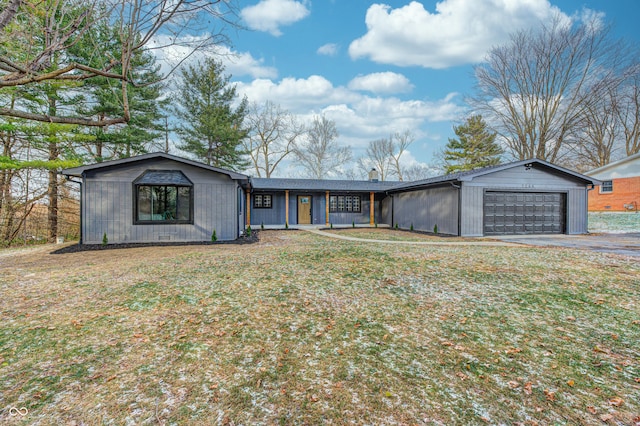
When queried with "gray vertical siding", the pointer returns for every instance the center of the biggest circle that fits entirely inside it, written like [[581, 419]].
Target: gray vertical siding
[[519, 179], [273, 216], [276, 214], [108, 206], [359, 218], [318, 212], [386, 211], [472, 210], [426, 208], [577, 211]]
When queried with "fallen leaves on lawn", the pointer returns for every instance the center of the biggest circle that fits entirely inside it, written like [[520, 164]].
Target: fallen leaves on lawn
[[616, 401]]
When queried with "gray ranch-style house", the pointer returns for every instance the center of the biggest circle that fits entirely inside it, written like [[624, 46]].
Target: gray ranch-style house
[[160, 197]]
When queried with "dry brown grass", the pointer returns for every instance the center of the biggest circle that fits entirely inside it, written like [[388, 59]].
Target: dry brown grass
[[299, 329]]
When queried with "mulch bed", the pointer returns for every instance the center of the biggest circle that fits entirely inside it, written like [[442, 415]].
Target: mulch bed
[[75, 248]]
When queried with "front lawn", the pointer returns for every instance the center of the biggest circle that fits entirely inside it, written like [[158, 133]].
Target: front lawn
[[302, 329]]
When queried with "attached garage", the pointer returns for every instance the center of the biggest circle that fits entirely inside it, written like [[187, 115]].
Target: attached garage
[[507, 213], [523, 197]]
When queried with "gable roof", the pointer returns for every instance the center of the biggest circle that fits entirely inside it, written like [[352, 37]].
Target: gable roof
[[320, 185], [620, 168], [78, 171], [472, 174]]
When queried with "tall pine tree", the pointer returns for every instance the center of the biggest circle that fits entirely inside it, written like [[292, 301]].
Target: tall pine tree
[[102, 97], [211, 128], [475, 147]]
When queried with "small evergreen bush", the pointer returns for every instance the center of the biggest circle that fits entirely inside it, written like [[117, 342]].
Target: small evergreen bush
[[214, 237], [411, 227], [248, 231], [435, 228], [105, 240]]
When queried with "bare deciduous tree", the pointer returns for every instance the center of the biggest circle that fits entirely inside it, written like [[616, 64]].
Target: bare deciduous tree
[[142, 25], [628, 113], [400, 141], [596, 140], [272, 136], [384, 155], [420, 172], [321, 155], [377, 157], [535, 89]]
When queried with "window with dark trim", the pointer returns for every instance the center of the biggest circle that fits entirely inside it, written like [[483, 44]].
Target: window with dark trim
[[607, 186], [163, 197], [262, 201], [345, 203]]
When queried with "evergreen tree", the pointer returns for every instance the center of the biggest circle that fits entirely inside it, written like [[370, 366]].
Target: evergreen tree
[[103, 98], [475, 147], [211, 128]]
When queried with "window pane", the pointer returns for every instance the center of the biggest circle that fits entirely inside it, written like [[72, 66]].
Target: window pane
[[184, 203], [144, 203], [333, 203], [171, 203], [607, 186], [257, 201], [356, 203], [340, 203], [347, 202], [266, 201], [163, 203]]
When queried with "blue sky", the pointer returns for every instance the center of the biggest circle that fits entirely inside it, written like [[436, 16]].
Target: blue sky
[[380, 67]]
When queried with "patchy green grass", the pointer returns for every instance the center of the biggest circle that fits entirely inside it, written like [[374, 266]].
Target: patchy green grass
[[614, 222], [299, 329], [389, 234]]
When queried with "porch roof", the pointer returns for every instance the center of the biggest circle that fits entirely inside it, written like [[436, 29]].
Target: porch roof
[[278, 184]]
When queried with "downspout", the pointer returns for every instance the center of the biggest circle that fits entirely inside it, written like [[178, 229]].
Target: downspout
[[392, 208], [459, 187], [590, 187]]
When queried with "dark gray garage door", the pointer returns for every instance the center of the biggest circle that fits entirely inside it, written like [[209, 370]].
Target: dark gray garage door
[[523, 213]]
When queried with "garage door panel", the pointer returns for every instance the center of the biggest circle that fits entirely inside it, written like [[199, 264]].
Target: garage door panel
[[523, 213]]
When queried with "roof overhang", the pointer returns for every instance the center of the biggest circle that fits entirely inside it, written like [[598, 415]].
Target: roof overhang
[[82, 170], [456, 178]]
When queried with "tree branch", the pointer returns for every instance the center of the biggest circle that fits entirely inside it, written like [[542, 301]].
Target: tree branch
[[60, 120]]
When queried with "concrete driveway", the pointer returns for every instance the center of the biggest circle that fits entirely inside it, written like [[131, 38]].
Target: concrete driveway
[[622, 244]]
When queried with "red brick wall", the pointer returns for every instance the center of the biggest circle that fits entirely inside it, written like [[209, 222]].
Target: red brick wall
[[625, 191]]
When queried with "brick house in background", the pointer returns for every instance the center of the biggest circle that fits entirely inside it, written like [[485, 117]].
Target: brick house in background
[[620, 189]]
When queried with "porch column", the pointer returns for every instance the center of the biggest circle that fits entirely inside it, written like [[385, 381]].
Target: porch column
[[286, 207], [372, 214], [248, 207], [326, 209]]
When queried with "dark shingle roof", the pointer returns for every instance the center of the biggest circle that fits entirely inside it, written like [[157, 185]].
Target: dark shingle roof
[[163, 177], [320, 185], [471, 174], [78, 171]]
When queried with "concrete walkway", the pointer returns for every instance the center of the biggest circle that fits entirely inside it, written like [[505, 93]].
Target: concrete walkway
[[413, 243], [620, 244], [625, 244]]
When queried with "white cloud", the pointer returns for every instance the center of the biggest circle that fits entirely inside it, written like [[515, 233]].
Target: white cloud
[[329, 49], [243, 63], [382, 82], [170, 53], [359, 118], [270, 15], [458, 32]]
